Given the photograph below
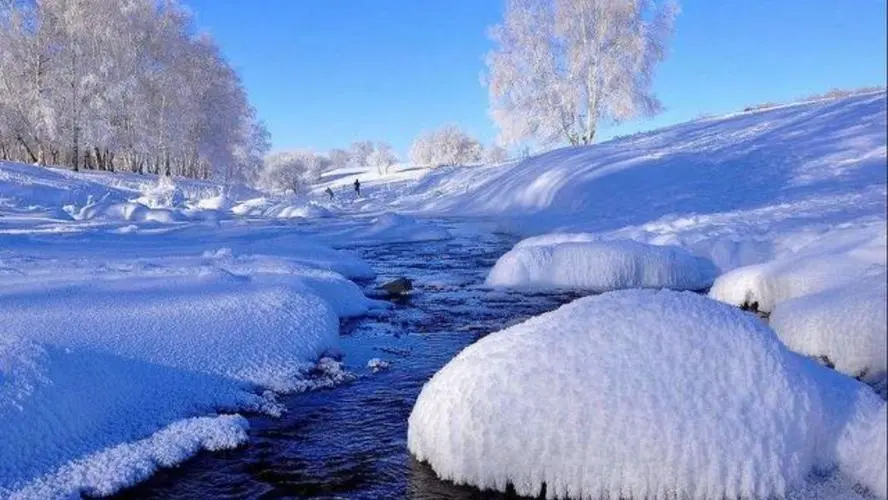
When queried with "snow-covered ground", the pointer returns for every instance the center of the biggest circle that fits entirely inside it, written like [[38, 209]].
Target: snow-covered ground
[[171, 306]]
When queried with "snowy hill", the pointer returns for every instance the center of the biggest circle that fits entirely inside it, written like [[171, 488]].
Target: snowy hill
[[748, 179], [154, 283]]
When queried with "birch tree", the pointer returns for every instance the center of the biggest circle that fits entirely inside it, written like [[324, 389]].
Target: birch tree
[[562, 68], [121, 84], [448, 145]]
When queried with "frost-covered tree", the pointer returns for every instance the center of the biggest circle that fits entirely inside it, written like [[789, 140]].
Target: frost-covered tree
[[445, 146], [339, 158], [563, 67], [121, 84], [382, 158], [495, 154], [292, 170], [359, 152]]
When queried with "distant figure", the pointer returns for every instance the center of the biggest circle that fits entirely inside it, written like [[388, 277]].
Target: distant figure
[[357, 188], [329, 192]]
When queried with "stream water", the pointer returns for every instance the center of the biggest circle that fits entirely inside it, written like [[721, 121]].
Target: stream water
[[351, 441]]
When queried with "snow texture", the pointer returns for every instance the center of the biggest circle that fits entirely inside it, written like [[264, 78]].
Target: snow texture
[[847, 325], [641, 394], [574, 261], [838, 258]]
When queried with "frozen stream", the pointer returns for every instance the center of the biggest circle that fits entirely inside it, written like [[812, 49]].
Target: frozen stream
[[350, 441]]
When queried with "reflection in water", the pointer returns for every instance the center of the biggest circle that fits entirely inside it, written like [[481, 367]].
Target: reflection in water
[[350, 441]]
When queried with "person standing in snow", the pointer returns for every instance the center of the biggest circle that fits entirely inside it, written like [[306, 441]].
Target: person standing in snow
[[357, 188], [330, 192]]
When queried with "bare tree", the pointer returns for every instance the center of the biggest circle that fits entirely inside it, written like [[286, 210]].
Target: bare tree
[[562, 67]]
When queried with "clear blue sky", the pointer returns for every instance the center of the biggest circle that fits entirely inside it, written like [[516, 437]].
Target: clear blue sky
[[323, 73]]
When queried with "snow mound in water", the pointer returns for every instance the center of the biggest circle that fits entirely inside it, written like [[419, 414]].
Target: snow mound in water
[[599, 266], [847, 325], [641, 394], [837, 259]]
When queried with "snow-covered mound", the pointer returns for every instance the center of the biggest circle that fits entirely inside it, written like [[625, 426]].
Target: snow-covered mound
[[599, 266], [846, 325], [838, 258], [640, 394], [128, 211]]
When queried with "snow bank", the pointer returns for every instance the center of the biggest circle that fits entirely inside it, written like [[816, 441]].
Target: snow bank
[[838, 258], [848, 325], [219, 323], [147, 352], [636, 394], [128, 211], [579, 262]]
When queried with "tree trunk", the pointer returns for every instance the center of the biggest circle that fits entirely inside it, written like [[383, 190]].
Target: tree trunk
[[34, 158]]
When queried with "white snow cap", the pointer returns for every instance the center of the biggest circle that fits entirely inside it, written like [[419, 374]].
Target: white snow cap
[[641, 394], [836, 259], [848, 325], [577, 261]]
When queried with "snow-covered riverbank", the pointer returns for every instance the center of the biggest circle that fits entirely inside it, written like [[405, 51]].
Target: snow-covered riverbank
[[141, 315]]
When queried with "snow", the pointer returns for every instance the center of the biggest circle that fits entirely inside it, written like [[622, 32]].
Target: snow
[[642, 394], [575, 262], [141, 315], [848, 325], [171, 305], [863, 450], [832, 259], [739, 190]]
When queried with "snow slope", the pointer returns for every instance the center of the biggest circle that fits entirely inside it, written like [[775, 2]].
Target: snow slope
[[140, 315], [740, 189], [644, 394]]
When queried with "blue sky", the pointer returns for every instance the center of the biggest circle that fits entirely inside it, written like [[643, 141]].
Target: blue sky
[[323, 73]]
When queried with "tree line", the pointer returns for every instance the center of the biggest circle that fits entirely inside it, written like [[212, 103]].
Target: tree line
[[122, 85], [130, 85]]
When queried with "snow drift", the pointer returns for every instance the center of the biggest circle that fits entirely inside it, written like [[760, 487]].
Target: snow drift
[[848, 326], [641, 394], [599, 266]]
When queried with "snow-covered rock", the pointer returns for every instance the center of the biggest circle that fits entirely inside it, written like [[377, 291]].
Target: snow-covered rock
[[599, 266], [848, 325], [641, 394], [839, 258], [377, 365]]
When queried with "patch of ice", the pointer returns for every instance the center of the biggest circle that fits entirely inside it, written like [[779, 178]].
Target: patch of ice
[[577, 261]]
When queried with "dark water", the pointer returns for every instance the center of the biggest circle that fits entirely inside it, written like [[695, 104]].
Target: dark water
[[351, 441]]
